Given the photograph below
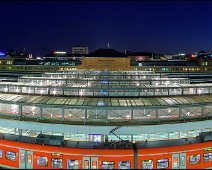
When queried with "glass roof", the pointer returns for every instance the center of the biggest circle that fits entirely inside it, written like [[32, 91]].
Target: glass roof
[[120, 102]]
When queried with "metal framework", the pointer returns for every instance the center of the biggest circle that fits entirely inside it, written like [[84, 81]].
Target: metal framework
[[106, 98]]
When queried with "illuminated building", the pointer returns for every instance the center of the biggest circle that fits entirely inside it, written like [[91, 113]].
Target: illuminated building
[[105, 118], [164, 92]]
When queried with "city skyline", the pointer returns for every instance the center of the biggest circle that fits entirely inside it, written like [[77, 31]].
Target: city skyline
[[165, 27]]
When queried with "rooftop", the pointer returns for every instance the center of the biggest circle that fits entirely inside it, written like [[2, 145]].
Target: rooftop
[[107, 52]]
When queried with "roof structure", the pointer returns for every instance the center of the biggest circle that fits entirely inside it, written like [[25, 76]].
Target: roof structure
[[107, 52]]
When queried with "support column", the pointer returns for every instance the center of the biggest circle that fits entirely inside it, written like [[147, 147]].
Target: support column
[[41, 112], [20, 110], [63, 114], [20, 132], [86, 115], [48, 91], [180, 113], [202, 111]]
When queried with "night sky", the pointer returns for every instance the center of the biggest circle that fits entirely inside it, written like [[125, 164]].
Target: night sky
[[166, 27]]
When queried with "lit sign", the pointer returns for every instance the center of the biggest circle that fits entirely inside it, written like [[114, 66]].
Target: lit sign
[[207, 149], [96, 134], [59, 52], [57, 154], [1, 53]]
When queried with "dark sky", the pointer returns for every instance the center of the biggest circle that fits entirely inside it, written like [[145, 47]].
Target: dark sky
[[161, 26]]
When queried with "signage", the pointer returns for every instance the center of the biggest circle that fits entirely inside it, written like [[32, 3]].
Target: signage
[[207, 149], [56, 154], [59, 52]]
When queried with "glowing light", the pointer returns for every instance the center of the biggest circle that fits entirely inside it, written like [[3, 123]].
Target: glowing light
[[5, 89], [128, 116], [41, 92], [2, 54], [199, 91], [59, 52], [81, 92], [54, 92], [33, 108], [14, 107], [51, 115], [17, 90]]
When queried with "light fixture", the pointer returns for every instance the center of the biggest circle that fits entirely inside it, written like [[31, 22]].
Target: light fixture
[[54, 91], [5, 89]]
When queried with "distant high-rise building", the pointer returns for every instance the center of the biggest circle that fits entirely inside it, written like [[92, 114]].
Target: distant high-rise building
[[80, 50]]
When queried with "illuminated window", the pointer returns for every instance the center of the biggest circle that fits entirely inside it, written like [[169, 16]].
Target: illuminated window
[[29, 158], [57, 163], [124, 165], [94, 165], [162, 163], [164, 69], [72, 164], [194, 159], [107, 165], [147, 164], [22, 158], [0, 153], [42, 161], [208, 157], [86, 164], [9, 62], [10, 155]]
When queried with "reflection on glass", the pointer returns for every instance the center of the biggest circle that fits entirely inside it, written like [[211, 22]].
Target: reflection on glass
[[29, 158], [94, 164], [194, 159], [162, 163], [147, 164], [124, 165], [72, 164], [42, 161], [107, 165], [22, 157], [182, 161], [86, 164], [208, 157], [57, 163], [10, 155]]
